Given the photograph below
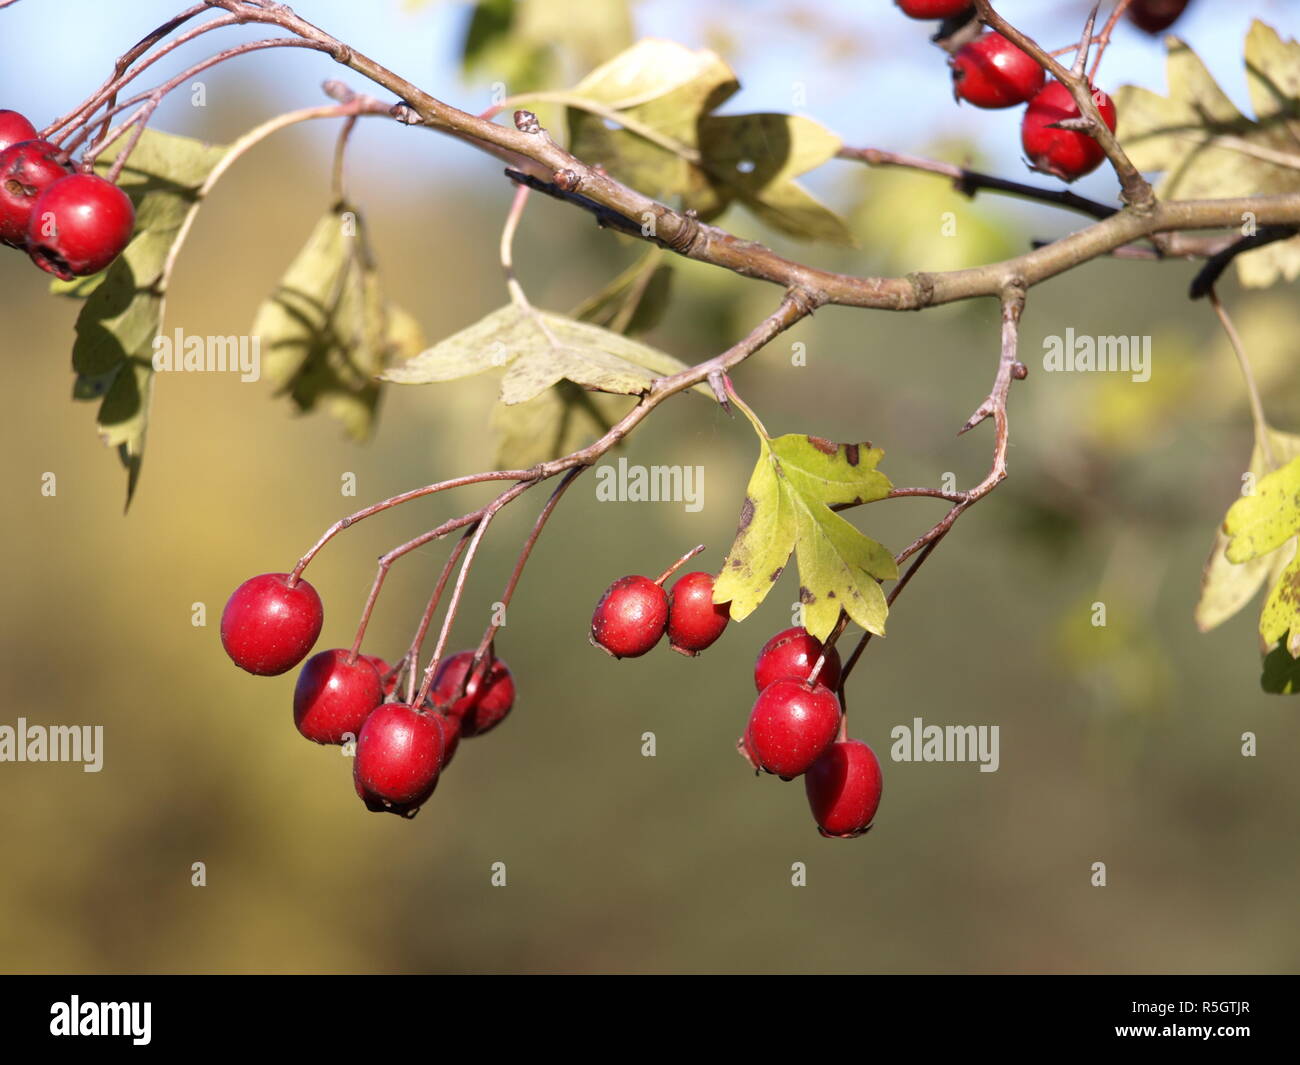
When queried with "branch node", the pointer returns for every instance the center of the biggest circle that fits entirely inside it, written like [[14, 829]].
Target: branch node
[[526, 122], [405, 114]]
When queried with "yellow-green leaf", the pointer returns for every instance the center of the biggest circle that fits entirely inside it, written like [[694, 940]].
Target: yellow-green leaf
[[1266, 518], [788, 508]]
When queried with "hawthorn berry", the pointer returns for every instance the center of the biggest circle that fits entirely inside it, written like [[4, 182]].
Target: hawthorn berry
[[383, 669], [630, 617], [14, 128], [487, 697], [269, 624], [843, 788], [451, 733], [79, 225], [1155, 16], [790, 727], [932, 8], [991, 72], [334, 695], [400, 753], [695, 621], [791, 655], [1065, 153], [27, 170]]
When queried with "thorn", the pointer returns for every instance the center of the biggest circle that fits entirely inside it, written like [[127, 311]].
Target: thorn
[[1082, 124], [981, 412]]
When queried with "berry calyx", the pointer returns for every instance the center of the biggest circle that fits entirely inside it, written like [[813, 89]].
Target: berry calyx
[[400, 753], [790, 727], [27, 169], [79, 225], [791, 655], [14, 129], [1064, 153], [1155, 16], [695, 621], [269, 625], [992, 72], [487, 695], [334, 695], [843, 788], [932, 8], [630, 617]]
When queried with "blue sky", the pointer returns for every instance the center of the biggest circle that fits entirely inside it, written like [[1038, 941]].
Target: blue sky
[[895, 95]]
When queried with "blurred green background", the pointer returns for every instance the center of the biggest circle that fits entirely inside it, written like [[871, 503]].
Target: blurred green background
[[1120, 745]]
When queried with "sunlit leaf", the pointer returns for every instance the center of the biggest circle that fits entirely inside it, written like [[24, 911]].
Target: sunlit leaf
[[1207, 149], [788, 508], [113, 351]]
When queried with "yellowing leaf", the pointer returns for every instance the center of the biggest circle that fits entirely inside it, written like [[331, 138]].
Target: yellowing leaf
[[667, 142], [1227, 586], [1208, 150], [1266, 518], [788, 508], [537, 349], [326, 331]]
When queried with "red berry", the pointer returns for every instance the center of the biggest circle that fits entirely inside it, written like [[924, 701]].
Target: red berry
[[791, 655], [1155, 16], [630, 617], [992, 72], [268, 625], [695, 621], [843, 789], [451, 732], [790, 726], [334, 696], [383, 669], [27, 169], [79, 225], [486, 698], [1065, 153], [14, 128], [932, 8], [400, 753]]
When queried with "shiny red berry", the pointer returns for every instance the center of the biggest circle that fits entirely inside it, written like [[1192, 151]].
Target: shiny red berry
[[334, 695], [1064, 153], [992, 72], [790, 727], [383, 669], [451, 733], [14, 128], [268, 625], [630, 617], [695, 621], [79, 225], [932, 8], [400, 753], [27, 169], [1155, 16], [791, 655], [843, 788], [486, 697]]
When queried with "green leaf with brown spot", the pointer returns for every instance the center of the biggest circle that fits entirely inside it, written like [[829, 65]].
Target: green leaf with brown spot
[[788, 509]]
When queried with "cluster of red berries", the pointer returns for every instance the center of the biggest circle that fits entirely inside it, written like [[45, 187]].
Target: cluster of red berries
[[993, 73], [72, 224], [269, 625], [794, 727]]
